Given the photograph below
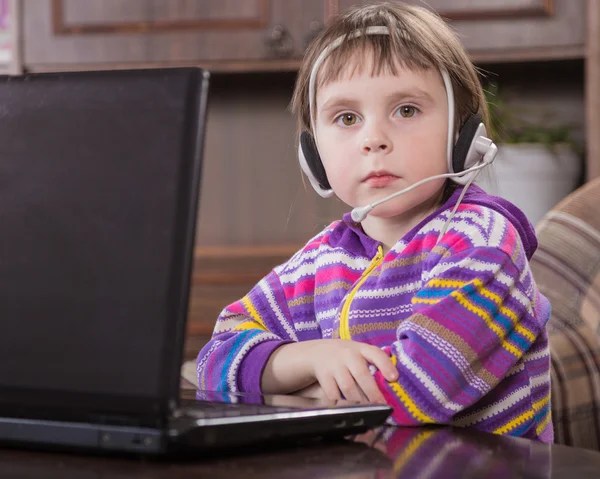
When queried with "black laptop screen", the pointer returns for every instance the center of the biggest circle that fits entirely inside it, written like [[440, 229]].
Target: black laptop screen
[[98, 195]]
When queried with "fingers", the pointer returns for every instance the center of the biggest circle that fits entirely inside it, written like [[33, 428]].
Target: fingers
[[329, 387], [348, 385], [366, 382], [381, 361]]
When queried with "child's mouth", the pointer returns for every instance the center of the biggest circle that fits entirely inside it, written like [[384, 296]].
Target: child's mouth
[[380, 181]]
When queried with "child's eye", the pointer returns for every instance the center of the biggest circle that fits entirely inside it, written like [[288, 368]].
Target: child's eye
[[348, 119], [407, 111]]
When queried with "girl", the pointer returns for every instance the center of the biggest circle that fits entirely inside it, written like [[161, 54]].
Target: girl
[[422, 297]]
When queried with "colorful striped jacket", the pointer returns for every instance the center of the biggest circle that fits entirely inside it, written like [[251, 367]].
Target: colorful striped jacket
[[462, 320]]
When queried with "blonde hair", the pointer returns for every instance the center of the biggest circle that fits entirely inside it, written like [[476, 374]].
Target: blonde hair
[[419, 40]]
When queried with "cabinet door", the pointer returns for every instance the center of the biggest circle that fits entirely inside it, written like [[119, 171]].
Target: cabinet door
[[156, 31], [510, 29]]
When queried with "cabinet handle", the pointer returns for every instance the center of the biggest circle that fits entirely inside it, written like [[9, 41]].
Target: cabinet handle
[[279, 42]]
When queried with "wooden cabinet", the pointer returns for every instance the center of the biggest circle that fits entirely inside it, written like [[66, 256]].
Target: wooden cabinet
[[507, 30], [63, 33], [245, 35], [250, 35]]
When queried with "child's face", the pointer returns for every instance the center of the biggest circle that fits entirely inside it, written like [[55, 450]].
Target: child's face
[[378, 135]]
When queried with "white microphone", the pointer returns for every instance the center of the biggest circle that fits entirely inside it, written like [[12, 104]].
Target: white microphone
[[360, 213]]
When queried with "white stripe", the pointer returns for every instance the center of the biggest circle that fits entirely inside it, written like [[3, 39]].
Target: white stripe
[[324, 315], [471, 263], [264, 287], [422, 376], [334, 258], [389, 292], [544, 353], [224, 325], [449, 351], [460, 226], [200, 364], [517, 368], [305, 255], [475, 236], [371, 313], [540, 380], [494, 409], [499, 228], [306, 270], [481, 266], [299, 256], [327, 333], [306, 325]]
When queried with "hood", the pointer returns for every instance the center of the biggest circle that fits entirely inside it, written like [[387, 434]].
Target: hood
[[476, 196]]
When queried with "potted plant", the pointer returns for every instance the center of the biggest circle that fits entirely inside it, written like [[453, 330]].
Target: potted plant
[[538, 163]]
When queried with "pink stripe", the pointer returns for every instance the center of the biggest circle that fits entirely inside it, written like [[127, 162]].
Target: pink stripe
[[399, 415], [326, 275]]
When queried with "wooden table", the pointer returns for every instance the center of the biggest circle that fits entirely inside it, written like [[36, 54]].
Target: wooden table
[[387, 452]]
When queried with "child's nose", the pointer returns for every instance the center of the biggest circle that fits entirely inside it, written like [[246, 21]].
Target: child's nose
[[376, 144]]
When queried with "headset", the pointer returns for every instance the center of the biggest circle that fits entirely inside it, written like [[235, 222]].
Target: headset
[[471, 151]]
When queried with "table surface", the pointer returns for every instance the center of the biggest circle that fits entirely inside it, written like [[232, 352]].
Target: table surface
[[385, 452]]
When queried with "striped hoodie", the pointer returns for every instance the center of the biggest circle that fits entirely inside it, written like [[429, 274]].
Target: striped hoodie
[[462, 320]]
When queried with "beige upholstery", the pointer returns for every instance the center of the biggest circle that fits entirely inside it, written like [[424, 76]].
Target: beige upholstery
[[566, 268]]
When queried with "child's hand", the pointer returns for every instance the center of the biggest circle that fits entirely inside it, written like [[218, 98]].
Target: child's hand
[[342, 367], [314, 391]]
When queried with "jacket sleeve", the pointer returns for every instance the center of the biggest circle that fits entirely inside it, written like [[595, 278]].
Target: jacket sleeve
[[475, 317], [245, 335]]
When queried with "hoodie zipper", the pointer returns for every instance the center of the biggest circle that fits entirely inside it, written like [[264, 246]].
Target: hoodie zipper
[[344, 326]]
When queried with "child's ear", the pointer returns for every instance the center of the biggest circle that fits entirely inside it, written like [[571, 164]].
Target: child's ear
[[312, 166]]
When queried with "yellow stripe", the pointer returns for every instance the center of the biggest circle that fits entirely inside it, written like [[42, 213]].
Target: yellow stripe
[[409, 403], [515, 422], [412, 447], [541, 403], [464, 301], [487, 318], [510, 314], [248, 324], [523, 331], [252, 311], [344, 326], [447, 283], [417, 300], [544, 423]]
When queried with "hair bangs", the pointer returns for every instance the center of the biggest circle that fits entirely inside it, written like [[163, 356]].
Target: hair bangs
[[378, 54]]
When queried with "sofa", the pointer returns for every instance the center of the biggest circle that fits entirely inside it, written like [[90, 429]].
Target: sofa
[[566, 268]]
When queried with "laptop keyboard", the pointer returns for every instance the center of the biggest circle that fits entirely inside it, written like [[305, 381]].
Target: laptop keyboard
[[209, 410]]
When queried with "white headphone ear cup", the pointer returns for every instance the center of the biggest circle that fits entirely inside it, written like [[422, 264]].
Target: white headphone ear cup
[[474, 155], [308, 157], [463, 143]]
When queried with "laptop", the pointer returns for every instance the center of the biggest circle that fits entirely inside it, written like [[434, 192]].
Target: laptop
[[99, 188]]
